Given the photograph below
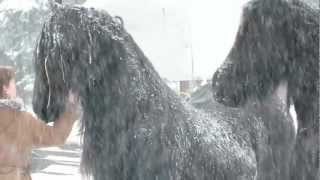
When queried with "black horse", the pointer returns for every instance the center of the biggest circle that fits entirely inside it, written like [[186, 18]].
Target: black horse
[[134, 126], [278, 40]]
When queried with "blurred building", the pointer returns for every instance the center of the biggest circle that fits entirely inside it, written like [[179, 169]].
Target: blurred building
[[185, 87]]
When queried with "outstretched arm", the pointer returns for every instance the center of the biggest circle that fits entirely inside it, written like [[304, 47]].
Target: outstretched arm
[[45, 135]]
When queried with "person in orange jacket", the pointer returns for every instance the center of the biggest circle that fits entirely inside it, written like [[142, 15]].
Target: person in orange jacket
[[20, 131]]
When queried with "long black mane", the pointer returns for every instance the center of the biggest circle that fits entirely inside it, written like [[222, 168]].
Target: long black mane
[[278, 40]]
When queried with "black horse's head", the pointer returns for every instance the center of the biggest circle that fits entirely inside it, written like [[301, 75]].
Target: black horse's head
[[75, 49], [277, 40]]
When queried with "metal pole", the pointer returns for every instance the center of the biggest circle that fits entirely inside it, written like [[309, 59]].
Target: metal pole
[[192, 57], [164, 20]]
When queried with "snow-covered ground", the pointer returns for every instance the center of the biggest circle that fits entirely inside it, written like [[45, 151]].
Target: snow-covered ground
[[58, 163]]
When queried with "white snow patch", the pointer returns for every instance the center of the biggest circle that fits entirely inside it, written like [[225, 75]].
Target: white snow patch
[[293, 114]]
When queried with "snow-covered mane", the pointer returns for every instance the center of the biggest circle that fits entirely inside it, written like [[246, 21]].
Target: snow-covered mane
[[278, 40]]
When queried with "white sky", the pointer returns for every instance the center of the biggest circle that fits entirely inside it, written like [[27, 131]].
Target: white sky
[[164, 29], [214, 25]]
